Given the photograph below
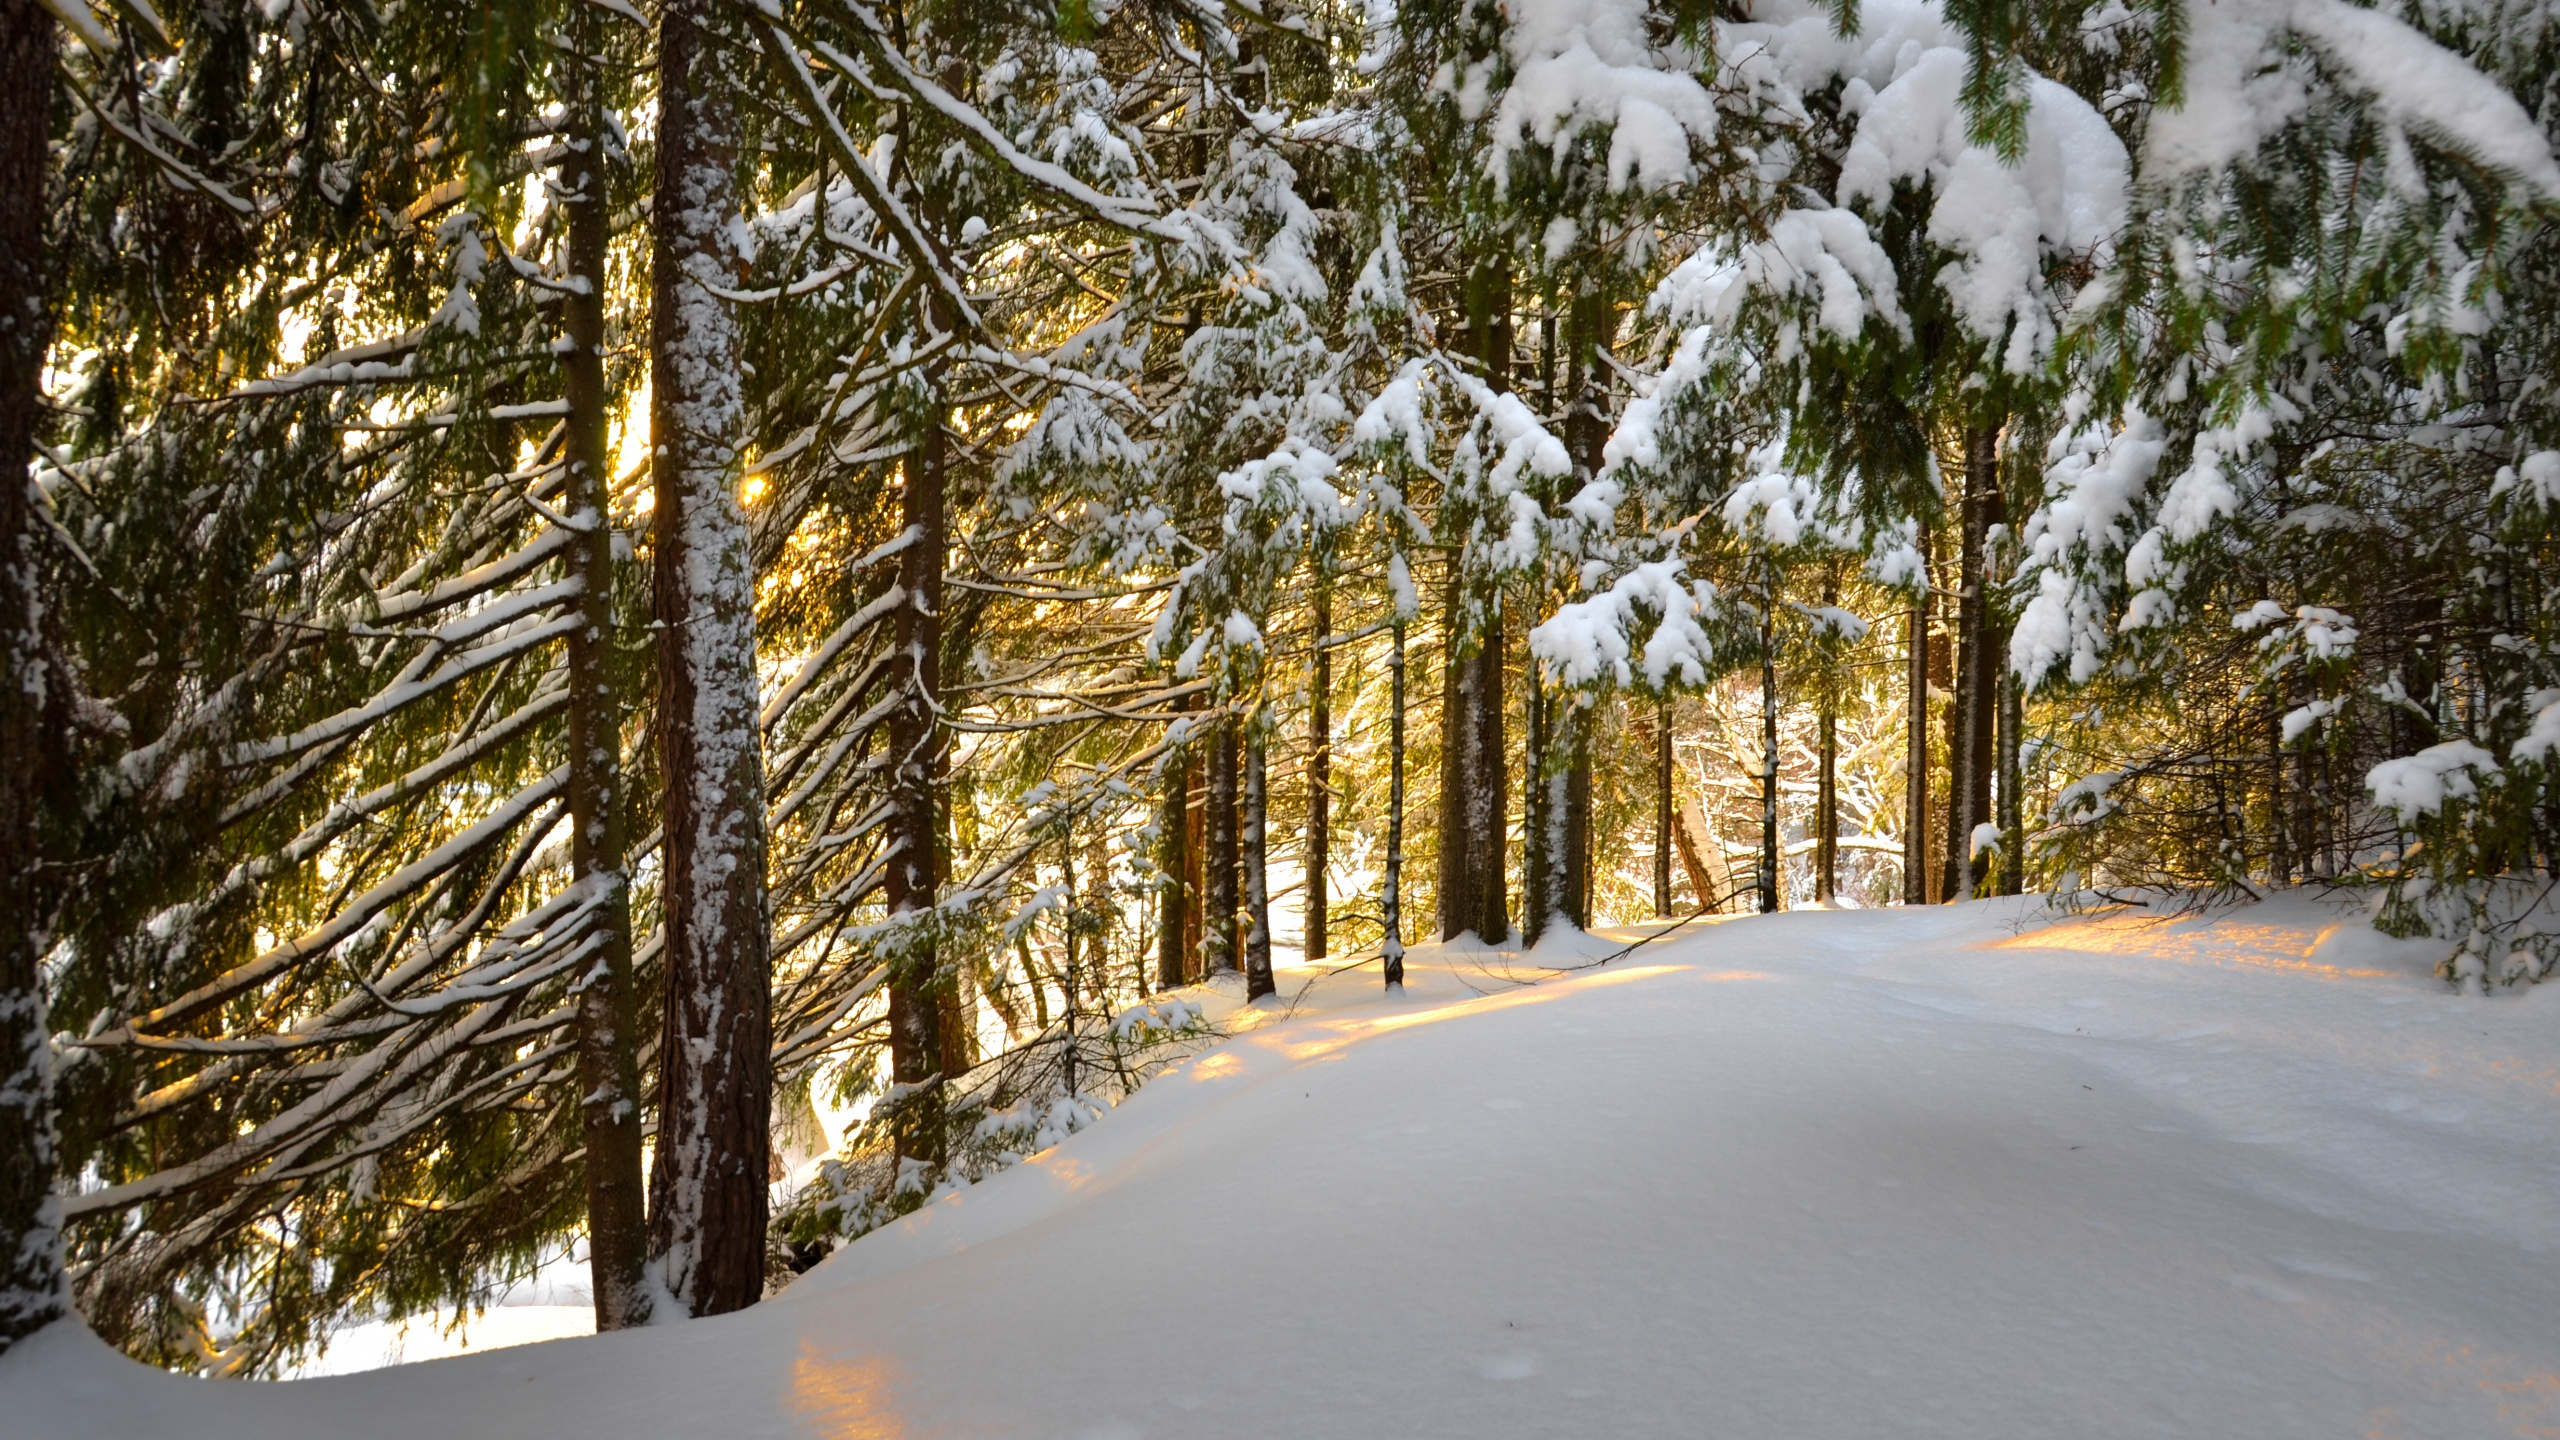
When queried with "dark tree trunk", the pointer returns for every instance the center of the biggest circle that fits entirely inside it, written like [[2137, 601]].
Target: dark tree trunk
[[1391, 947], [1173, 917], [1768, 747], [1220, 951], [1195, 881], [31, 1283], [1319, 775], [608, 1059], [1475, 781], [1662, 822], [1915, 765], [1826, 805], [1473, 785], [1969, 721], [2280, 856], [1541, 814], [708, 1187], [2013, 829], [1257, 872], [916, 1002]]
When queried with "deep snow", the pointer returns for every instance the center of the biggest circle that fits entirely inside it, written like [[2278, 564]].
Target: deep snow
[[1948, 1172]]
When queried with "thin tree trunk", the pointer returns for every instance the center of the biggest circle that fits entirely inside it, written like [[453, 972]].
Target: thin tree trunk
[[1826, 806], [1488, 801], [708, 1186], [1067, 976], [1195, 880], [2280, 858], [1915, 765], [31, 1279], [1542, 813], [1662, 841], [1456, 889], [2013, 830], [1577, 815], [608, 1060], [1391, 947], [1257, 874], [1474, 786], [1319, 775], [1969, 722], [1173, 916], [1219, 951], [1768, 747]]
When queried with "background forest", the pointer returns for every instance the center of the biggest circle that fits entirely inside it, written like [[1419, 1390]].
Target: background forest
[[599, 579]]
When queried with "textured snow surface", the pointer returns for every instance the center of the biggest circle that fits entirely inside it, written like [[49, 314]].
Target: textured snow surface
[[1955, 1172]]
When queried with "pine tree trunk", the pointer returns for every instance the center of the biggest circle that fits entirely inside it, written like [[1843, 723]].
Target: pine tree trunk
[[1173, 916], [1488, 786], [1319, 776], [1068, 977], [1475, 780], [1826, 805], [608, 1059], [31, 1281], [1195, 881], [708, 1186], [1662, 841], [1969, 721], [2013, 830], [1768, 747], [1257, 873], [915, 741], [1915, 765], [1542, 813], [1391, 907], [1218, 941]]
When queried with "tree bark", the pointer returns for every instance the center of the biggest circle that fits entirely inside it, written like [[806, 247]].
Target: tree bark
[[707, 1189], [608, 1058], [1319, 775], [1257, 874], [1662, 841], [1969, 721], [1915, 770], [1768, 879], [1826, 806], [2013, 829], [916, 1059], [1173, 915], [1475, 780], [31, 1279], [1391, 908], [1219, 950]]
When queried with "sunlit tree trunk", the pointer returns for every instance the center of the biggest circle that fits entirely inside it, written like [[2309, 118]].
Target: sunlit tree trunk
[[1257, 874], [1768, 879], [1915, 768], [608, 1060], [1319, 775], [1662, 821], [1218, 939], [1970, 754], [1174, 862], [1391, 908], [31, 1286], [708, 1185]]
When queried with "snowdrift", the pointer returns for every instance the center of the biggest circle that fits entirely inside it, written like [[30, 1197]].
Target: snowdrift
[[1963, 1172]]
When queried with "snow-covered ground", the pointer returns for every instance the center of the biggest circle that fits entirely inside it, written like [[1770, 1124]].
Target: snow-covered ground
[[1950, 1172]]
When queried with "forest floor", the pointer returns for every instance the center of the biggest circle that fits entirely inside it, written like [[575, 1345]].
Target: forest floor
[[1964, 1171]]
